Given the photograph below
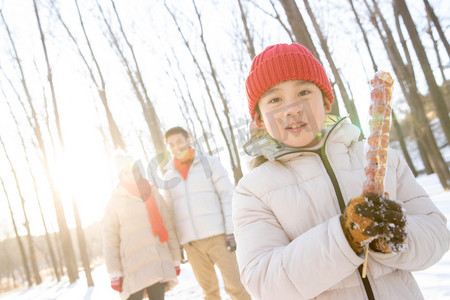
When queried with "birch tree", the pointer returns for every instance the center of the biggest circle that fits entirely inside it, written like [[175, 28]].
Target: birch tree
[[35, 188], [433, 17], [132, 69], [395, 123], [434, 90], [31, 248], [95, 74], [409, 89], [230, 143], [69, 253]]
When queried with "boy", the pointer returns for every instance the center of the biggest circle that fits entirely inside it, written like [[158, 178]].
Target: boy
[[286, 212]]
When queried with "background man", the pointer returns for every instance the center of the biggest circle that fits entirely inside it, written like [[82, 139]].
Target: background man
[[199, 192]]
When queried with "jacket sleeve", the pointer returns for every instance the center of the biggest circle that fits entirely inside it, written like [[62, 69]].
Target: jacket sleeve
[[428, 237], [111, 239], [167, 216], [224, 189], [273, 267]]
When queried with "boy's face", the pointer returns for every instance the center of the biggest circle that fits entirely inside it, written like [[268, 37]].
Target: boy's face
[[178, 145], [293, 112]]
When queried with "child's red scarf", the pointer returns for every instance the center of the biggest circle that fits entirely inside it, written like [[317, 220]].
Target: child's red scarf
[[183, 165], [143, 189]]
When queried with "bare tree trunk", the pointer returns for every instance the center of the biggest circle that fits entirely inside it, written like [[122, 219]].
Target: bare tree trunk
[[209, 134], [303, 37], [155, 130], [409, 89], [428, 168], [409, 68], [34, 124], [142, 144], [114, 131], [235, 161], [366, 39], [31, 248], [235, 166], [68, 250], [435, 20], [401, 140], [184, 109], [49, 245], [191, 101], [188, 123], [13, 280], [82, 245], [348, 102], [436, 94], [19, 241], [249, 39], [298, 26], [276, 17], [56, 238], [49, 76], [397, 126], [436, 49], [136, 81], [36, 128]]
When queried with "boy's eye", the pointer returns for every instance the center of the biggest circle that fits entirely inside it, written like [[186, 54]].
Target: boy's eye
[[274, 100], [304, 93]]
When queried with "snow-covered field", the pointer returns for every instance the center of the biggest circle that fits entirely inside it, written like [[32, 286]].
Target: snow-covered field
[[434, 282]]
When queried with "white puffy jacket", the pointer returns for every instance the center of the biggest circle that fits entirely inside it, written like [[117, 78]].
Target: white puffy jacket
[[131, 249], [201, 204], [290, 241]]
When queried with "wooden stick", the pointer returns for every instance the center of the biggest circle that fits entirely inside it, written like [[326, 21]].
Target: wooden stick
[[366, 254]]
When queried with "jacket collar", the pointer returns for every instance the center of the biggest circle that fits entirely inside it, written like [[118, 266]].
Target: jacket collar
[[272, 149], [171, 167]]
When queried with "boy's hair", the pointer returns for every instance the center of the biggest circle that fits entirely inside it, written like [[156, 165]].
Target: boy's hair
[[282, 62], [176, 130]]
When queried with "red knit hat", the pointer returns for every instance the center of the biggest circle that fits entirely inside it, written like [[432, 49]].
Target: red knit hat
[[282, 62]]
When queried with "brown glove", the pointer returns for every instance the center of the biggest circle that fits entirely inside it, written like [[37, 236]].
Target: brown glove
[[374, 218]]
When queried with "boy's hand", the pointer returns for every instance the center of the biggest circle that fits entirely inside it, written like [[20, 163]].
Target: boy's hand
[[116, 283], [368, 219], [231, 242]]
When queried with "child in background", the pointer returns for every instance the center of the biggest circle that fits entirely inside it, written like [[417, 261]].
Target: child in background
[[140, 245], [286, 211]]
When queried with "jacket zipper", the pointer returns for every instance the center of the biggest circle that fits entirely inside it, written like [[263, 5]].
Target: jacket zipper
[[188, 200], [326, 162]]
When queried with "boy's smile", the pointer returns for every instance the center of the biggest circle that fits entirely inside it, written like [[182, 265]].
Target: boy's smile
[[293, 112], [178, 145]]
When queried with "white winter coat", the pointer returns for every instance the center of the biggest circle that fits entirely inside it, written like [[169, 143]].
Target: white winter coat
[[131, 248], [290, 241], [201, 204]]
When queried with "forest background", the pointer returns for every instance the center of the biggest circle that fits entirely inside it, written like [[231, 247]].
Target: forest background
[[80, 80]]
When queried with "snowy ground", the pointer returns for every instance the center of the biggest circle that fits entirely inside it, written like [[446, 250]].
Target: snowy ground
[[434, 282]]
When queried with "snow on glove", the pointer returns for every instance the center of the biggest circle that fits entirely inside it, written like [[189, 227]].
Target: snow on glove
[[368, 218], [231, 242], [116, 283]]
